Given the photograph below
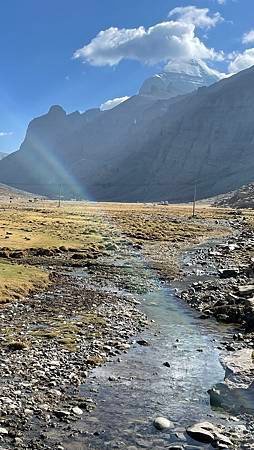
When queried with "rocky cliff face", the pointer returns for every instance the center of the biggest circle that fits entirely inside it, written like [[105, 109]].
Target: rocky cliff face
[[145, 149]]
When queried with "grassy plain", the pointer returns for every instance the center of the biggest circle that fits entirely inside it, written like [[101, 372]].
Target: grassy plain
[[160, 231]]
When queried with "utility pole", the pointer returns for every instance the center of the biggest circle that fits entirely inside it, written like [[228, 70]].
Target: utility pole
[[59, 195], [194, 200]]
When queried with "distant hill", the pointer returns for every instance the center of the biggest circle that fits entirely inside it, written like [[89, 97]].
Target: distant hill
[[239, 198], [8, 193], [145, 149]]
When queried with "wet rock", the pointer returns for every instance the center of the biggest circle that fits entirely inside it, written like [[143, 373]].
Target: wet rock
[[143, 342], [202, 432], [162, 424], [62, 414], [166, 364], [230, 348], [238, 337], [228, 273], [236, 393], [112, 378]]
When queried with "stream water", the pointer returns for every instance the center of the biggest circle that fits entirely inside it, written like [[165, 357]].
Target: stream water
[[144, 388]]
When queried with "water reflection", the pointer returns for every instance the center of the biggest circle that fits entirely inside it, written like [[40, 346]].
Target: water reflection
[[144, 387]]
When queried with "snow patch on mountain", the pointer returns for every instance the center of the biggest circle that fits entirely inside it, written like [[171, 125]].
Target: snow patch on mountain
[[180, 78]]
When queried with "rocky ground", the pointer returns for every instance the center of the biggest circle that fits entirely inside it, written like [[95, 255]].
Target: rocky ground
[[218, 281], [223, 285], [47, 347], [242, 197], [51, 340]]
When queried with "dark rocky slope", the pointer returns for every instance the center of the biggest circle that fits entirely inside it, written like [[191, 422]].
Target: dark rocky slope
[[239, 198], [144, 149]]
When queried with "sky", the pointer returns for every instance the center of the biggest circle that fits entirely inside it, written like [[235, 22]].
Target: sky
[[81, 54]]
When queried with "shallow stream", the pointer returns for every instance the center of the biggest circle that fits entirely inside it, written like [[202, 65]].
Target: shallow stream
[[142, 387]]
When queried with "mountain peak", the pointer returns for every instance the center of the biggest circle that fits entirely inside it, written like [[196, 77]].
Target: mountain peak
[[179, 78], [57, 110]]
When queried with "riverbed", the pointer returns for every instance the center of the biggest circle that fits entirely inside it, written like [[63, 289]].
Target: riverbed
[[168, 375]]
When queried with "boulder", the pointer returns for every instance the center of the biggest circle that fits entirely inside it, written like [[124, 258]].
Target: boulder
[[162, 424], [236, 393], [202, 432]]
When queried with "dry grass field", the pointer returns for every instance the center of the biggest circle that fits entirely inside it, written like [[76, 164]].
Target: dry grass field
[[161, 232]]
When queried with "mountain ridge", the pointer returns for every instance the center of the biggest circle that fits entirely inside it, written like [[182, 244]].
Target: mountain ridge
[[145, 149]]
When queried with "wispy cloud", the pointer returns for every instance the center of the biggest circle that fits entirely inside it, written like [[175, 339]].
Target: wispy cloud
[[6, 133], [200, 17], [241, 61], [248, 38]]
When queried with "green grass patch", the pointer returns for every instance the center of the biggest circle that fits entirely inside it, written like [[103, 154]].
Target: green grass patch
[[17, 281]]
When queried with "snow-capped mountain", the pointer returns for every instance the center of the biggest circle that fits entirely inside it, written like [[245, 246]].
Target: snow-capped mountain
[[179, 79]]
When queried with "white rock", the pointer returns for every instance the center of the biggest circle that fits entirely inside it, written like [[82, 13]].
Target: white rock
[[78, 411], [161, 423]]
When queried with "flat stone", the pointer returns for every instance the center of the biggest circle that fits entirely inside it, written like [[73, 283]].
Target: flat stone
[[228, 273], [202, 432], [246, 290], [161, 423], [4, 431], [61, 413]]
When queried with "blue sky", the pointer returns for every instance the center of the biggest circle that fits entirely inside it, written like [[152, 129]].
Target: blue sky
[[39, 38]]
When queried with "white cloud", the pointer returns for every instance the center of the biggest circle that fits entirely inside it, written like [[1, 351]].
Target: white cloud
[[241, 61], [159, 43], [112, 103], [6, 133], [248, 38], [197, 16], [221, 2]]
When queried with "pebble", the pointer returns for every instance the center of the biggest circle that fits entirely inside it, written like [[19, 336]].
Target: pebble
[[77, 411], [166, 364]]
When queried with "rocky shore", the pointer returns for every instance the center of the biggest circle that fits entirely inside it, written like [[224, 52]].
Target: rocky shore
[[47, 348], [218, 281]]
